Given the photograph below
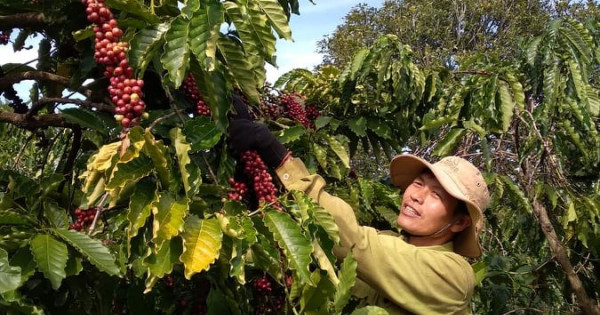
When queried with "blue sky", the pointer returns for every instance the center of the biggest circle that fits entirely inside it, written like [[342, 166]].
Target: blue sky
[[314, 22]]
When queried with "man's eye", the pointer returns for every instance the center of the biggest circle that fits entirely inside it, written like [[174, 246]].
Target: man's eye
[[417, 183]]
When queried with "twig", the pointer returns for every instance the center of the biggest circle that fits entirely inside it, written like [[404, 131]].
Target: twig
[[12, 78], [68, 168], [18, 159], [525, 309], [212, 174], [35, 122], [48, 152], [480, 72], [100, 208], [172, 105], [159, 119], [33, 20], [35, 107]]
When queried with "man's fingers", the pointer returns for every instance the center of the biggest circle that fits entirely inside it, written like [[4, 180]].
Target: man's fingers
[[241, 109]]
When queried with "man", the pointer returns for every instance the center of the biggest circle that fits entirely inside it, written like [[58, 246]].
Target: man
[[421, 272]]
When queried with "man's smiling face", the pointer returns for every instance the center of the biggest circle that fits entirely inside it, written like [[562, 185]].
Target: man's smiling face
[[426, 206]]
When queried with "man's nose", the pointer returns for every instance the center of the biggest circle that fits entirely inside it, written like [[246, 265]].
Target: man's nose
[[419, 194]]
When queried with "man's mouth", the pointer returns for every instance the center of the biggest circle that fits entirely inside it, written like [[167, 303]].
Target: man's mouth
[[410, 212]]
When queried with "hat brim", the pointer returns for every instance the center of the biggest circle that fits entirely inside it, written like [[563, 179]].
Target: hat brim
[[406, 167]]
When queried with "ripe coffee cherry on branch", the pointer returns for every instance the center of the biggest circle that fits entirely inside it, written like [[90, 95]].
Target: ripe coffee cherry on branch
[[262, 286], [191, 91], [125, 91], [312, 112], [255, 169], [83, 218], [4, 38], [294, 109], [240, 190]]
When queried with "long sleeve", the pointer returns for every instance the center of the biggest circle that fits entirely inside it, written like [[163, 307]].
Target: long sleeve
[[424, 280]]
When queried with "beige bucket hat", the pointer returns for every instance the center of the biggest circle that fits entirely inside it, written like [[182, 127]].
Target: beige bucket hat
[[462, 180]]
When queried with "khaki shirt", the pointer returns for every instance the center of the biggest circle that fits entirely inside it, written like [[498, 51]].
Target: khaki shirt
[[395, 275]]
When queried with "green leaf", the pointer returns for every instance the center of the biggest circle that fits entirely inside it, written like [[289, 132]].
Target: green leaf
[[144, 45], [322, 121], [202, 133], [320, 154], [51, 257], [507, 106], [449, 143], [379, 127], [204, 33], [324, 219], [201, 244], [253, 29], [367, 191], [480, 270], [84, 118], [347, 277], [134, 7], [162, 262], [338, 149], [13, 217], [291, 134], [370, 310], [177, 53], [315, 299], [140, 207], [168, 218], [238, 64], [132, 171], [295, 245], [91, 249], [277, 17], [56, 215], [189, 7], [358, 126], [159, 154], [23, 259], [10, 277], [517, 192]]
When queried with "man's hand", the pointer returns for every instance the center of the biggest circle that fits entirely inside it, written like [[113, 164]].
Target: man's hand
[[245, 134]]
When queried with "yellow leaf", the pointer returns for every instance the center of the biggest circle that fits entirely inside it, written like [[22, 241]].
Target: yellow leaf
[[168, 218], [202, 240]]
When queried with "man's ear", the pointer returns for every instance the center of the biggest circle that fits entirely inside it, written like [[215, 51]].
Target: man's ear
[[461, 223]]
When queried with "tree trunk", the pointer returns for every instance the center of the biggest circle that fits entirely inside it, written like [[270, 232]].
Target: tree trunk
[[588, 305]]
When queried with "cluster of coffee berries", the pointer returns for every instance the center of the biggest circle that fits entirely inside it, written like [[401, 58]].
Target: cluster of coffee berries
[[83, 218], [191, 91], [312, 112], [262, 285], [239, 190], [294, 109], [4, 38], [268, 301], [169, 282], [255, 169], [16, 102], [125, 91]]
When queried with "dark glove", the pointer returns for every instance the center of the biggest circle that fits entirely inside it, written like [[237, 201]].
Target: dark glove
[[245, 134], [241, 109]]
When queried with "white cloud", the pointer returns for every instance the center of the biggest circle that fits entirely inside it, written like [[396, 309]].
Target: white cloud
[[291, 60]]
